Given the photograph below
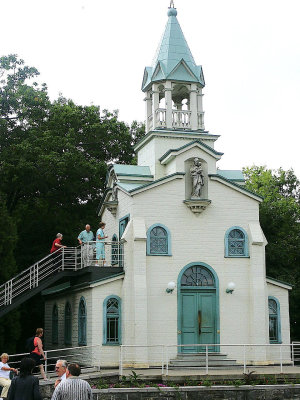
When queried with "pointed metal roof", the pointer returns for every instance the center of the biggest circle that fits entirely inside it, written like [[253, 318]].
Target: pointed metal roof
[[173, 58]]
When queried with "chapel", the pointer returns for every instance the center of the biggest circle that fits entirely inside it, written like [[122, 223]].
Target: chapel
[[185, 254]]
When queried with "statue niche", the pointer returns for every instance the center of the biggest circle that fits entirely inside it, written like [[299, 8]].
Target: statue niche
[[197, 176], [196, 187]]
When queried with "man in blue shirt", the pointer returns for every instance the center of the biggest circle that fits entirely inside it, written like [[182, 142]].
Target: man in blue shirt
[[85, 238]]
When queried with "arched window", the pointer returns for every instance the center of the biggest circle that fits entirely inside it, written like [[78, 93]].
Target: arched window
[[54, 324], [114, 250], [158, 241], [197, 275], [68, 324], [82, 322], [274, 320], [236, 242], [112, 320]]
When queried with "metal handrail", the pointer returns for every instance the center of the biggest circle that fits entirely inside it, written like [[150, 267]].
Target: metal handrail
[[66, 258], [39, 271]]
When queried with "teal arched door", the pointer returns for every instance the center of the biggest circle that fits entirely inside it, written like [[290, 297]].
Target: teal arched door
[[198, 319]]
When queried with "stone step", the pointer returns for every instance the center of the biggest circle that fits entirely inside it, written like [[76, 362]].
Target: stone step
[[202, 363], [201, 356]]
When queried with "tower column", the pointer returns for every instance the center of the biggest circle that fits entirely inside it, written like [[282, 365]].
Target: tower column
[[149, 112], [168, 97], [200, 109], [155, 105], [194, 107]]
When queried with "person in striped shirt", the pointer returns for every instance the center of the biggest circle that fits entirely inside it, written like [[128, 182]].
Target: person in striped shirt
[[73, 388]]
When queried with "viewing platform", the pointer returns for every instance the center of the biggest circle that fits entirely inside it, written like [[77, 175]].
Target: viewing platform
[[69, 263]]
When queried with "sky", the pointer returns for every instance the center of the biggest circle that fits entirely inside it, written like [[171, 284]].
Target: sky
[[95, 52]]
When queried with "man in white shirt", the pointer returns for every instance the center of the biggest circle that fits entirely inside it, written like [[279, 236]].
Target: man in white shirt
[[60, 369], [73, 388]]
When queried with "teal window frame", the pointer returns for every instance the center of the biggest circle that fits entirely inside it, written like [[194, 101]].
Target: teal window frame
[[115, 248], [121, 220], [68, 323], [105, 321], [82, 323], [148, 246], [55, 324], [278, 320], [245, 247]]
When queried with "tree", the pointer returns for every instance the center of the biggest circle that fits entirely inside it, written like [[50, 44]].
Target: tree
[[53, 162], [280, 221], [8, 238]]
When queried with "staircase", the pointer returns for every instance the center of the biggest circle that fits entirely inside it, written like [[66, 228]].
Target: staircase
[[198, 361], [62, 264]]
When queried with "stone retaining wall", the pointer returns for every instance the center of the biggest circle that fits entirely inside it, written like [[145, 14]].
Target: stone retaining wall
[[259, 392]]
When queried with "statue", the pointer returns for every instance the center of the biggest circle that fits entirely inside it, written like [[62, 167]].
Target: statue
[[114, 194], [196, 172]]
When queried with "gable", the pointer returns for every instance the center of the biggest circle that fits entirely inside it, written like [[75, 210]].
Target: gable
[[182, 73]]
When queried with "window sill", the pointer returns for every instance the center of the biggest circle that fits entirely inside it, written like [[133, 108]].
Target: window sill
[[236, 256], [111, 344], [159, 255]]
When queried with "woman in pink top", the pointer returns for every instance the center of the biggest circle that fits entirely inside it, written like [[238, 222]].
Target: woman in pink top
[[37, 354]]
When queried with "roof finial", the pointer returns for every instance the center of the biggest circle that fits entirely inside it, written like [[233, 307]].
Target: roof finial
[[172, 12]]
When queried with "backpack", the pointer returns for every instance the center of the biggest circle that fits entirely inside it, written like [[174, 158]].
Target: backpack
[[29, 346]]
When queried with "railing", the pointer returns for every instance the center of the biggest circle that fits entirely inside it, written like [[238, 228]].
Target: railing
[[68, 258], [160, 118], [103, 254], [296, 353], [201, 120], [87, 357], [131, 357], [181, 119], [228, 356]]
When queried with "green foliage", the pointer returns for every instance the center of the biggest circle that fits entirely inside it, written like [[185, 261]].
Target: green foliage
[[207, 382], [53, 164], [249, 377], [279, 218]]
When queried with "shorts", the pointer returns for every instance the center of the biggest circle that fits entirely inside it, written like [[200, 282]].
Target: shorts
[[36, 358]]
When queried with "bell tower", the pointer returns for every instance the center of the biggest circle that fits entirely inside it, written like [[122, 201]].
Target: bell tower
[[173, 84]]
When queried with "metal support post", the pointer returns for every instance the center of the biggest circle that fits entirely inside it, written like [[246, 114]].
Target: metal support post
[[206, 359]]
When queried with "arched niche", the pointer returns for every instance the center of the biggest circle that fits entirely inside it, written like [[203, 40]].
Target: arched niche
[[188, 178]]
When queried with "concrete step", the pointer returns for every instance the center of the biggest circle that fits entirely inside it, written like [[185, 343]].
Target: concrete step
[[202, 363], [201, 356]]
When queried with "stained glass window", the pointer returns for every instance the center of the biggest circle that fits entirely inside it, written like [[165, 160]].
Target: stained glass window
[[68, 324], [236, 243], [274, 330], [112, 323], [114, 251], [197, 275], [158, 241], [55, 324], [82, 323]]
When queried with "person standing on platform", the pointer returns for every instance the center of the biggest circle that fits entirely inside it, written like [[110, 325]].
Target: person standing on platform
[[100, 245], [85, 238], [56, 261]]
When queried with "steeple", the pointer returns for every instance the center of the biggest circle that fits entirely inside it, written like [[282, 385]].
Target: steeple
[[175, 77]]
